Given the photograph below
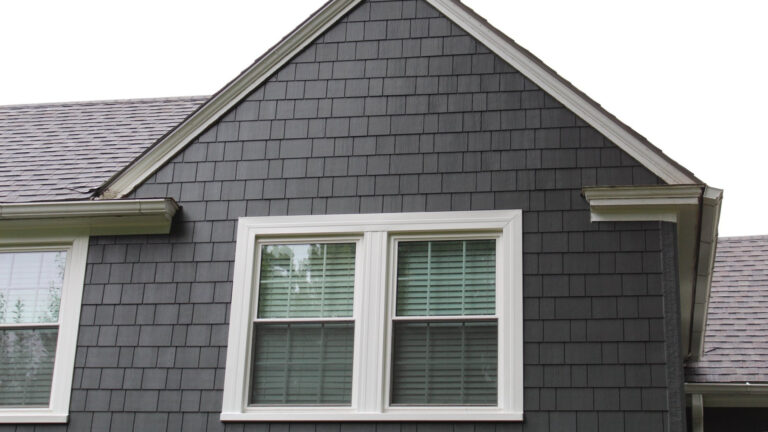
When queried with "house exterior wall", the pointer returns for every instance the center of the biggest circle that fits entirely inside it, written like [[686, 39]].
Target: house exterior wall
[[394, 109]]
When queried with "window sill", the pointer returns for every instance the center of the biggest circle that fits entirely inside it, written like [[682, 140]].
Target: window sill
[[392, 414], [32, 415]]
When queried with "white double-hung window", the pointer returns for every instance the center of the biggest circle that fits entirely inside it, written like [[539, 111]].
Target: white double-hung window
[[41, 284], [408, 316]]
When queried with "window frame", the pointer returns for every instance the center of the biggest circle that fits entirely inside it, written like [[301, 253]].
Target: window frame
[[76, 247], [371, 359]]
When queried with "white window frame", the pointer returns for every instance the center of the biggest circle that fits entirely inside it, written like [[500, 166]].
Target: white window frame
[[76, 248], [370, 375]]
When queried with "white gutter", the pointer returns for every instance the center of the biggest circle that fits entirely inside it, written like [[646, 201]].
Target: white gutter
[[103, 217]]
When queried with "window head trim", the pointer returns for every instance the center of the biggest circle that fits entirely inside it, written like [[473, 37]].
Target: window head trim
[[76, 247], [370, 401]]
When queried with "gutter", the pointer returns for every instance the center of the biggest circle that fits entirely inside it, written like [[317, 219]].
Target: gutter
[[104, 217]]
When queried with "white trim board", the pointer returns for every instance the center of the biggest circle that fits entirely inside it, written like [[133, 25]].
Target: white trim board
[[175, 141], [696, 211]]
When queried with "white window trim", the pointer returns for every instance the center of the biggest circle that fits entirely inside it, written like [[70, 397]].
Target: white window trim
[[370, 363], [69, 321]]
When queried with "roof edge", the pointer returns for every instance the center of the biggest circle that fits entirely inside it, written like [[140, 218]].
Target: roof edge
[[104, 101]]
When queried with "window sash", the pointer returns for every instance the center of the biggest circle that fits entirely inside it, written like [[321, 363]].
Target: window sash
[[397, 319], [331, 320]]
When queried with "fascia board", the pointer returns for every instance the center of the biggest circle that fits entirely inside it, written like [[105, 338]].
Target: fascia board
[[572, 99], [159, 154], [104, 217]]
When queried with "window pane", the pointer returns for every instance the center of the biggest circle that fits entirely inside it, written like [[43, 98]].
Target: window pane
[[307, 280], [456, 277], [26, 366], [444, 363], [302, 363], [30, 286]]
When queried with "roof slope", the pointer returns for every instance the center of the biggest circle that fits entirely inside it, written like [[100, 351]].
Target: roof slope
[[736, 338], [63, 151]]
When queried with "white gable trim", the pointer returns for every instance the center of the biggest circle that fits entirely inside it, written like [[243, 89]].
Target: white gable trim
[[127, 180]]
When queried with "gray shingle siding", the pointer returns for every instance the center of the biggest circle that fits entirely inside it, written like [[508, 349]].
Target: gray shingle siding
[[394, 109]]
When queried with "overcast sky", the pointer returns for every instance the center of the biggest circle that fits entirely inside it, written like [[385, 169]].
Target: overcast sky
[[691, 76]]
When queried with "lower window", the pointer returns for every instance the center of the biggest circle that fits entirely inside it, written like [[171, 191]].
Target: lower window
[[40, 293], [377, 317]]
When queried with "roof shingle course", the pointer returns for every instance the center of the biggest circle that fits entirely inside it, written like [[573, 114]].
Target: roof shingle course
[[63, 151], [736, 337]]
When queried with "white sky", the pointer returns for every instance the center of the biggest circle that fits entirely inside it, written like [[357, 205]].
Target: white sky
[[691, 76]]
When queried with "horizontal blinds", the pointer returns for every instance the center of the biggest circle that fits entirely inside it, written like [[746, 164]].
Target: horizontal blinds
[[30, 286], [444, 363], [455, 277], [306, 280], [26, 366], [302, 363]]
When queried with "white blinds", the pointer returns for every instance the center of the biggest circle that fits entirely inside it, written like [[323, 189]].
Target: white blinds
[[308, 361], [302, 363], [444, 363], [307, 280], [446, 277], [26, 366], [443, 352]]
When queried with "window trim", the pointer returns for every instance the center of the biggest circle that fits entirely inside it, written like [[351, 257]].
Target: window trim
[[76, 247], [371, 363]]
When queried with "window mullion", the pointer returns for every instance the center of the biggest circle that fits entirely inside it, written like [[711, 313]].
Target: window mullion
[[370, 324]]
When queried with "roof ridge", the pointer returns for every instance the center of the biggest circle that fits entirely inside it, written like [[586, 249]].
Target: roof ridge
[[108, 101]]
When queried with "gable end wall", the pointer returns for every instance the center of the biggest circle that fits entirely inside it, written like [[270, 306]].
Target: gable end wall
[[394, 109]]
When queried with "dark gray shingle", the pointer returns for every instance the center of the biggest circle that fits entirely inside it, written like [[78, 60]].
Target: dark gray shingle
[[62, 151]]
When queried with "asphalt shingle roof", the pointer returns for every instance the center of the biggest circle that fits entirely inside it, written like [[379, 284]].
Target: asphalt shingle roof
[[736, 337], [63, 151]]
